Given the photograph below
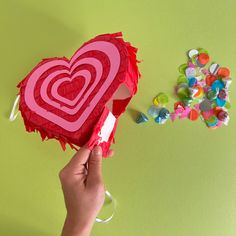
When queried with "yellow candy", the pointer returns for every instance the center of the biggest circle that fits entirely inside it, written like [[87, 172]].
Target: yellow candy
[[155, 101], [161, 99]]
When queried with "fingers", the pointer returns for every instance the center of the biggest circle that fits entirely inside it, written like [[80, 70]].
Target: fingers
[[79, 159], [110, 153], [86, 162], [95, 166]]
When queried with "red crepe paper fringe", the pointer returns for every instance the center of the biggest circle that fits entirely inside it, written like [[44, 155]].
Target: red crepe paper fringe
[[131, 81], [46, 134]]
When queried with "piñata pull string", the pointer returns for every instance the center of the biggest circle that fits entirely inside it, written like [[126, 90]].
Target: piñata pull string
[[104, 221], [13, 113]]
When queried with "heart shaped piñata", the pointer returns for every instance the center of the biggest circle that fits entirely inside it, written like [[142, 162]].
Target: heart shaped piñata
[[78, 101]]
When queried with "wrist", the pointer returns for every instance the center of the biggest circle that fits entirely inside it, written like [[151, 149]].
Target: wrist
[[75, 226]]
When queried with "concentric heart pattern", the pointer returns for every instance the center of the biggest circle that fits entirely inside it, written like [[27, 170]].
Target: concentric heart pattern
[[70, 100]]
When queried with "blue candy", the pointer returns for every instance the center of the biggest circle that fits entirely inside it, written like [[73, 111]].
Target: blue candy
[[192, 81], [164, 113], [153, 111], [142, 118], [220, 102], [217, 85], [163, 116], [158, 120]]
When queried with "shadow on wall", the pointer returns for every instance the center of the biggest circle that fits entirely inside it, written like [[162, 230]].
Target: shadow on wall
[[11, 227], [27, 36]]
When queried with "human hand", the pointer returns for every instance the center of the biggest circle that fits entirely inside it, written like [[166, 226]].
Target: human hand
[[84, 191]]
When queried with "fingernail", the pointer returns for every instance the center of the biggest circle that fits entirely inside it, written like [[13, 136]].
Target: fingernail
[[97, 151]]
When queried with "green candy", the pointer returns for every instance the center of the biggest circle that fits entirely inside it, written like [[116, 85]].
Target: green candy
[[182, 79], [162, 98], [227, 105], [202, 50], [187, 101], [211, 95], [194, 59], [183, 93], [182, 68], [212, 121]]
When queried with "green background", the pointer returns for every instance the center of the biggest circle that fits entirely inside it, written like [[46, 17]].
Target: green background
[[178, 179]]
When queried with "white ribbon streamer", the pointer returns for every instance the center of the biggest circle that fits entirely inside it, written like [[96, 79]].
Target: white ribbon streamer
[[14, 114], [104, 221]]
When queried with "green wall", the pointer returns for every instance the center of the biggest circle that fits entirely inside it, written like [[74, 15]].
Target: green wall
[[173, 180]]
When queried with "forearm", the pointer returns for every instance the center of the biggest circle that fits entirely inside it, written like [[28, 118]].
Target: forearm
[[73, 227]]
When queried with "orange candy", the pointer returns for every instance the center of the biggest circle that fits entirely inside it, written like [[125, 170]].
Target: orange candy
[[217, 110], [193, 115], [223, 72], [200, 91], [210, 79], [203, 58]]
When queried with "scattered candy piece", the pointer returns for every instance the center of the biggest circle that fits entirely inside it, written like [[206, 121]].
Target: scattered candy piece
[[190, 72], [164, 113], [202, 50], [210, 79], [207, 114], [163, 116], [222, 115], [220, 102], [153, 111], [203, 58], [193, 91], [182, 68], [185, 113], [223, 72], [155, 101], [162, 98], [227, 81], [192, 53], [205, 105], [222, 94], [142, 118], [193, 114], [192, 82], [214, 68], [217, 85], [173, 116], [212, 121], [182, 79]]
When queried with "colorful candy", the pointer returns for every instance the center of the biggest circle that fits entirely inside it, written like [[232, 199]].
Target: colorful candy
[[206, 90], [142, 118], [201, 92]]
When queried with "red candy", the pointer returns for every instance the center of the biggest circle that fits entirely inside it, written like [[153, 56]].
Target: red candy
[[223, 72], [193, 115], [222, 94], [203, 58], [178, 105], [210, 79], [222, 115]]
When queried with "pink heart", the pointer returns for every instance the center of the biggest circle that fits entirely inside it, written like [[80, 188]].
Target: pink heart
[[103, 64]]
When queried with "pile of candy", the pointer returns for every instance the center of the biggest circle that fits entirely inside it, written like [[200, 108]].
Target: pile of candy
[[201, 92]]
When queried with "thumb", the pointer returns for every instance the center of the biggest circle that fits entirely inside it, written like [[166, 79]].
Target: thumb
[[95, 166]]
